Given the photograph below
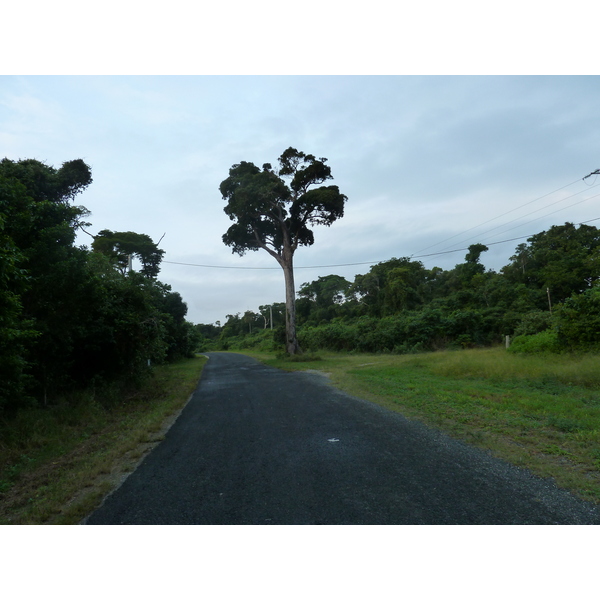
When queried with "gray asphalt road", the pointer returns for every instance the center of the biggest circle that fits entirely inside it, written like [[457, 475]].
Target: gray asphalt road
[[259, 446]]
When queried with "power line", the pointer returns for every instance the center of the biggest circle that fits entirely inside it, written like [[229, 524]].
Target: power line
[[270, 268], [223, 266], [356, 264], [533, 212], [438, 243], [504, 214]]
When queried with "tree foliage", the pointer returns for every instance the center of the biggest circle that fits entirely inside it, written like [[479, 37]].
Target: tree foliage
[[577, 321], [120, 245], [70, 317], [565, 259]]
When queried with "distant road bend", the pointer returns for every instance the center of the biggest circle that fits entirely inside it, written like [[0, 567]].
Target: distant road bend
[[259, 446]]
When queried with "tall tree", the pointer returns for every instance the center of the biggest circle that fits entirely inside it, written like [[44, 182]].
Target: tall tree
[[13, 282], [40, 224], [322, 299], [563, 259], [120, 245], [271, 214], [391, 286]]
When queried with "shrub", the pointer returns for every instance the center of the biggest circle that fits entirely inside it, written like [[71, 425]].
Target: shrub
[[578, 321], [534, 322], [545, 341]]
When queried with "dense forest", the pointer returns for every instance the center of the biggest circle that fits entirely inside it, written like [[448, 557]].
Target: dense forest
[[547, 298], [73, 317]]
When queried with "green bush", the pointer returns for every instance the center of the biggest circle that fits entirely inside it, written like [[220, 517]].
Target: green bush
[[534, 322], [545, 341], [409, 332], [578, 321]]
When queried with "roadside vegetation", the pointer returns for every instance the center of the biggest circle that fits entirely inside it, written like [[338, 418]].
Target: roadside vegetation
[[540, 412], [73, 317], [57, 463], [95, 351], [546, 299]]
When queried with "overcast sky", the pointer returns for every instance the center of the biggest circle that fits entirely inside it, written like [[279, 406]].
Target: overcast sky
[[428, 163]]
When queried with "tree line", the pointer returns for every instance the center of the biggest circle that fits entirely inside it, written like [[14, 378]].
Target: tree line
[[546, 298], [72, 317], [399, 305]]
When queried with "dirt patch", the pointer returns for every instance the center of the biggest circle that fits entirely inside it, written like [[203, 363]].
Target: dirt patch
[[316, 372]]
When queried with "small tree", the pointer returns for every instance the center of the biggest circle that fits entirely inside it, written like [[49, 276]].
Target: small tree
[[271, 214]]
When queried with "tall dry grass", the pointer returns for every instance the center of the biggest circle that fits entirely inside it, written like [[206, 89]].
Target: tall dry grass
[[499, 365]]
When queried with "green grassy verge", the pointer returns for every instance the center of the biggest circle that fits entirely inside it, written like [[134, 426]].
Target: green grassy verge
[[538, 412], [56, 464]]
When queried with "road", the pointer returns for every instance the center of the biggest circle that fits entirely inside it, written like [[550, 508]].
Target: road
[[256, 445]]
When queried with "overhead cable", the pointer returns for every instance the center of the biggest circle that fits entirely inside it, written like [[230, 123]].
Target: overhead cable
[[502, 215], [530, 213], [356, 264], [448, 251]]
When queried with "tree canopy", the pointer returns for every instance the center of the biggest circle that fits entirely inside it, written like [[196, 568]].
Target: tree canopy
[[563, 259], [69, 317], [119, 245]]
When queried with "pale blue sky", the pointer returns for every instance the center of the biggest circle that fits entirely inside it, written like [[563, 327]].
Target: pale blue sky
[[421, 158]]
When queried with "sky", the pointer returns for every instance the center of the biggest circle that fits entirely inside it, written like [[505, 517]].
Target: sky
[[430, 164]]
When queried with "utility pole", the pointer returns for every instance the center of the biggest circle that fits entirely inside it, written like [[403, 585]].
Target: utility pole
[[596, 172], [549, 302]]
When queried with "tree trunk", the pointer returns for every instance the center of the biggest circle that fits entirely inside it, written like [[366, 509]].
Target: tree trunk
[[286, 261], [291, 342]]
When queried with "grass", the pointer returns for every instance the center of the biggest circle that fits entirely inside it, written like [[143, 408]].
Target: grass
[[57, 464], [538, 412]]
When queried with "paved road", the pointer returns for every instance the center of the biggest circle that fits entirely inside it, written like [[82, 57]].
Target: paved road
[[256, 445]]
